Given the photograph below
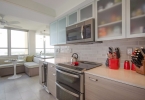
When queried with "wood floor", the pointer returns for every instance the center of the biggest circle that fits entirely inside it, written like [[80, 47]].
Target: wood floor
[[24, 88]]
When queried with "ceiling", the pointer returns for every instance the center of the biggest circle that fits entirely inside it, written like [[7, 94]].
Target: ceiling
[[34, 14]]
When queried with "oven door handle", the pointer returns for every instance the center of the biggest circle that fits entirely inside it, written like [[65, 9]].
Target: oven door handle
[[67, 74], [76, 95]]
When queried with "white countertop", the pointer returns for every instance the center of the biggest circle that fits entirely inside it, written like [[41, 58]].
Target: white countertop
[[125, 76], [52, 61]]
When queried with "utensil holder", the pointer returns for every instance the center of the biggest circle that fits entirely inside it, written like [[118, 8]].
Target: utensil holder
[[114, 64], [141, 70]]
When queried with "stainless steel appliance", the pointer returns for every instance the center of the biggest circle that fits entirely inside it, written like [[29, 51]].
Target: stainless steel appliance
[[81, 32], [44, 75], [70, 80]]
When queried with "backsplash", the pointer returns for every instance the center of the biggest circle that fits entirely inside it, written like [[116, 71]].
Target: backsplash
[[97, 52]]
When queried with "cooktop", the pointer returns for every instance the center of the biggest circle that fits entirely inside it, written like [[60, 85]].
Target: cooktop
[[82, 66]]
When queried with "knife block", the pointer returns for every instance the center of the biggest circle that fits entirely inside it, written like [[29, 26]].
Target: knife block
[[141, 70]]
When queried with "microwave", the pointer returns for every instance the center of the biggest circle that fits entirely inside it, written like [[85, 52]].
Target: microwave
[[81, 32]]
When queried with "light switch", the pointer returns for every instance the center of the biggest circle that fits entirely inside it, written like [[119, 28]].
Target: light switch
[[129, 50]]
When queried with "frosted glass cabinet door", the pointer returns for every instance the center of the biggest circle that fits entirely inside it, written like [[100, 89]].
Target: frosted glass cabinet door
[[72, 18], [136, 18], [53, 33], [86, 13], [62, 31], [110, 19]]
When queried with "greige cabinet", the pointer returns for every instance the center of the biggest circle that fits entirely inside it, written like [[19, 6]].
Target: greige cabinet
[[51, 79], [40, 72], [98, 88]]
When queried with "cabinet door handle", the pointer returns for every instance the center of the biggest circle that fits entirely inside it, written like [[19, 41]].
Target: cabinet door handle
[[92, 79], [54, 74]]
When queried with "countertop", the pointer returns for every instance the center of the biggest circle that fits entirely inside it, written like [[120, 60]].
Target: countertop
[[52, 60], [124, 76]]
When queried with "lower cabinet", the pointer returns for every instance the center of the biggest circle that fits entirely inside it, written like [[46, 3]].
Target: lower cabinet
[[51, 79], [98, 88], [40, 72]]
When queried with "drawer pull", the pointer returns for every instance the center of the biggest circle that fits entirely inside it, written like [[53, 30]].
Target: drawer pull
[[54, 74], [92, 79]]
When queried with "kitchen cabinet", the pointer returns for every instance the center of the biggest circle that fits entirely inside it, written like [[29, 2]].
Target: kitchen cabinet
[[40, 72], [86, 12], [62, 23], [110, 19], [98, 88], [53, 33], [73, 18], [135, 18], [51, 79]]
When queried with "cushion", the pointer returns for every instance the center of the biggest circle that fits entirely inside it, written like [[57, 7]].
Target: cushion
[[36, 60], [31, 64], [10, 65], [29, 58]]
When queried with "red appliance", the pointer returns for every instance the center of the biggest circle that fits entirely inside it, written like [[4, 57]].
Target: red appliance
[[133, 66], [126, 65]]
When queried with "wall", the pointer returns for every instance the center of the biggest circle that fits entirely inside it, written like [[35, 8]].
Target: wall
[[31, 35], [97, 52]]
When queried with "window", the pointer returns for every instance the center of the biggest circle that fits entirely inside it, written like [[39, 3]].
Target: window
[[43, 45], [19, 42], [13, 42], [3, 42]]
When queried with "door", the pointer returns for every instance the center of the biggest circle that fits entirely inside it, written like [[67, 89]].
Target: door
[[53, 33], [135, 18], [111, 19], [87, 12], [62, 31], [72, 18]]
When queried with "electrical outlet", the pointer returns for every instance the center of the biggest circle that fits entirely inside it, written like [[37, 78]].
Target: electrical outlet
[[129, 50]]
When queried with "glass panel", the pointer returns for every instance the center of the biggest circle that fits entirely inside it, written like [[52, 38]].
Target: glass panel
[[137, 16], [53, 33], [62, 24], [39, 41], [19, 51], [3, 38], [69, 80], [39, 50], [19, 39], [47, 42], [73, 18], [74, 34], [109, 18], [86, 12], [3, 52], [63, 95], [62, 36]]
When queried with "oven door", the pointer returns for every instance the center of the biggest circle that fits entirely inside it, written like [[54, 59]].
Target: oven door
[[73, 80], [66, 93]]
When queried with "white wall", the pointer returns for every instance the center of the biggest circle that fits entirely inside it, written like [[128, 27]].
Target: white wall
[[31, 35]]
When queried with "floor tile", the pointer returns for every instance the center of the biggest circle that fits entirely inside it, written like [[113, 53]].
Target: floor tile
[[28, 95], [13, 95]]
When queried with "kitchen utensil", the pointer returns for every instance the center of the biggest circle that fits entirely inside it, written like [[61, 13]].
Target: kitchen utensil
[[143, 49], [74, 59], [126, 65], [117, 52]]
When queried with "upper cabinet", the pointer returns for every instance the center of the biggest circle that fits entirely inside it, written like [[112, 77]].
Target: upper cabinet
[[53, 33], [135, 18], [72, 18], [86, 12], [62, 31], [110, 18]]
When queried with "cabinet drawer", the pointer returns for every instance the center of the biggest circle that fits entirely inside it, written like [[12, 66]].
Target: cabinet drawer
[[52, 67], [52, 75], [106, 89], [52, 87]]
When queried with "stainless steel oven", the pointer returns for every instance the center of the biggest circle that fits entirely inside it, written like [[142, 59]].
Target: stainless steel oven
[[81, 32], [69, 85]]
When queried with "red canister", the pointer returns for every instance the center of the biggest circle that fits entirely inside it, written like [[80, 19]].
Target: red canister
[[114, 64], [126, 65], [133, 67]]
